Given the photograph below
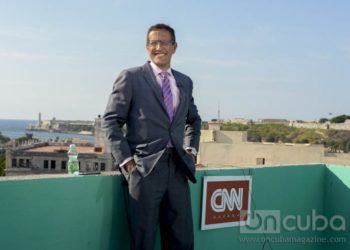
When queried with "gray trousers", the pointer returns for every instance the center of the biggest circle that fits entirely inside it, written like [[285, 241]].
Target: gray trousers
[[162, 197]]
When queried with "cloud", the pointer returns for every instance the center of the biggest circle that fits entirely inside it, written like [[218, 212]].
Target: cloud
[[20, 55], [22, 34], [212, 62], [28, 56]]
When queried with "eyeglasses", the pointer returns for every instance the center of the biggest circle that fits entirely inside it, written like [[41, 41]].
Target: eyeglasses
[[161, 43]]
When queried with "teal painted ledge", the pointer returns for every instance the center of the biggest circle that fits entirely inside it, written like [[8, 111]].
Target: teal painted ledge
[[89, 212]]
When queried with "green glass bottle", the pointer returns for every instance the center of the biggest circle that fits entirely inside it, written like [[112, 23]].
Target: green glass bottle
[[73, 163]]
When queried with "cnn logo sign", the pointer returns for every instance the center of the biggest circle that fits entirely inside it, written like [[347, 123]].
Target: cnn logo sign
[[226, 201]]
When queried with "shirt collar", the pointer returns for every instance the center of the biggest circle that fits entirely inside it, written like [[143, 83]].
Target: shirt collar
[[157, 70]]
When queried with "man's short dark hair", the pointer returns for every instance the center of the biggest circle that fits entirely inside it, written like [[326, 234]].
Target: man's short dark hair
[[162, 26]]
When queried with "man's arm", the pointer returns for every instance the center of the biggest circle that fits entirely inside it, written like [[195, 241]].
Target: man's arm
[[193, 124], [116, 115]]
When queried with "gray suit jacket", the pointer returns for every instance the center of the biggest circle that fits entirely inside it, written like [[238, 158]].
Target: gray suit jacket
[[137, 101]]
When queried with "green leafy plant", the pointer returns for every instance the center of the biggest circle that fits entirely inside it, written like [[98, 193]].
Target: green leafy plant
[[2, 165]]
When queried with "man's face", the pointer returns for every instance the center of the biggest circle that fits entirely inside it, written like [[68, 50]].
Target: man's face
[[160, 48]]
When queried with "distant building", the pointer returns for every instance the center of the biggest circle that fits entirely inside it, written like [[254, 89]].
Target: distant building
[[52, 158], [273, 121], [66, 126], [214, 125], [231, 148], [35, 157], [240, 121], [316, 125]]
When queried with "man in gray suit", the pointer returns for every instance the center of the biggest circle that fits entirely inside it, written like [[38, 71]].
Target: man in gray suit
[[156, 153]]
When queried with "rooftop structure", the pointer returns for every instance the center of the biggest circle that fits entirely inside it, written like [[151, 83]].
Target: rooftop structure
[[50, 157], [37, 157], [64, 149], [231, 148]]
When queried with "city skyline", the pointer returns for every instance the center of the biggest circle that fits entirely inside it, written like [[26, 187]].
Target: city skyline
[[254, 59]]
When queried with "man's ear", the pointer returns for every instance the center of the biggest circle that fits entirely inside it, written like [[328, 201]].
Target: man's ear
[[175, 47]]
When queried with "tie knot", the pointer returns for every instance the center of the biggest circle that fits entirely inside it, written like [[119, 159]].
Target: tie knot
[[164, 74]]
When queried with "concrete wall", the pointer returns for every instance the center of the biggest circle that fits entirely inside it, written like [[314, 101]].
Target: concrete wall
[[327, 125], [287, 189], [230, 136], [337, 158], [65, 213], [231, 148], [223, 136], [89, 212], [207, 136], [337, 202], [246, 154]]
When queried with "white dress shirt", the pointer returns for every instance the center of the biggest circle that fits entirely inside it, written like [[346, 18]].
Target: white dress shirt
[[173, 87]]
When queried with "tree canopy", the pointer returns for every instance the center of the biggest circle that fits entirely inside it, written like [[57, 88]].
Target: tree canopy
[[340, 119], [2, 165], [4, 139], [28, 136], [334, 140]]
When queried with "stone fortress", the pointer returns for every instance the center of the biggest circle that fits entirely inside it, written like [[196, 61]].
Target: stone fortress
[[63, 126], [316, 125], [298, 124]]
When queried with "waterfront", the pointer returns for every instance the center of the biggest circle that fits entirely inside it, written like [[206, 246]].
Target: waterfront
[[17, 128]]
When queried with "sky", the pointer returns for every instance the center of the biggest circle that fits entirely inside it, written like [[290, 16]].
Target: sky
[[251, 59]]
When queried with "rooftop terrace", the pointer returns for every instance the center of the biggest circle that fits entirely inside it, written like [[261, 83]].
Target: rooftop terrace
[[89, 212]]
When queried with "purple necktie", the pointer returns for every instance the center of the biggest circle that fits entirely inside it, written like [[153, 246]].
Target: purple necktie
[[167, 95]]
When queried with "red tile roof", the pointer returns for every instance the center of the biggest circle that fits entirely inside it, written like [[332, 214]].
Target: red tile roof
[[64, 149]]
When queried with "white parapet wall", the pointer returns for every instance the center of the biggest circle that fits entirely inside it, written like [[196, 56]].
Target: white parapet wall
[[250, 154]]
